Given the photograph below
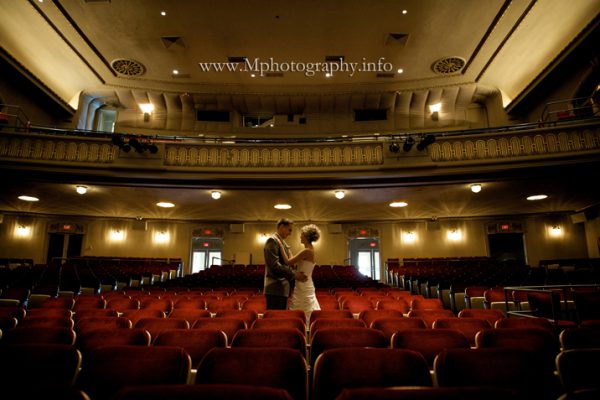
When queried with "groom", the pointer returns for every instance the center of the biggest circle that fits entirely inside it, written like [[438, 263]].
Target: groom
[[278, 275]]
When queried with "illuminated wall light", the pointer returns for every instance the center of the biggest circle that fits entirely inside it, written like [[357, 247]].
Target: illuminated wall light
[[340, 194], [81, 189], [215, 194], [147, 109], [435, 111], [454, 235], [117, 235], [398, 204], [409, 237], [282, 206], [161, 237], [555, 231], [165, 204], [262, 238], [22, 231]]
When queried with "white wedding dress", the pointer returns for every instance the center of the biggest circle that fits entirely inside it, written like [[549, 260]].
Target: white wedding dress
[[303, 296]]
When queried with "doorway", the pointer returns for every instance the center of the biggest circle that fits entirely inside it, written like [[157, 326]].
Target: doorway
[[63, 245], [506, 247], [206, 251], [364, 254]]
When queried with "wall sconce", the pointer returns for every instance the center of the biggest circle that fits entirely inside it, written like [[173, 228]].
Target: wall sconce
[[147, 109], [262, 238], [161, 237], [409, 237], [555, 231], [340, 194], [215, 194], [454, 235], [81, 189], [22, 231], [117, 235], [435, 111]]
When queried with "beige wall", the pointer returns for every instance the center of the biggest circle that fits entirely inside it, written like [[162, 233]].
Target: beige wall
[[431, 239]]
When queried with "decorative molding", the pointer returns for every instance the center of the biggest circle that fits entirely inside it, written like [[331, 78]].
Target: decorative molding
[[55, 149], [515, 146], [274, 156]]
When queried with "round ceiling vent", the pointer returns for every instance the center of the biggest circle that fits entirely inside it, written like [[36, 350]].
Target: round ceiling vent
[[448, 65], [128, 67]]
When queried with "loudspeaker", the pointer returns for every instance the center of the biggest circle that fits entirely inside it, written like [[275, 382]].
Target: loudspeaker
[[334, 228], [433, 225], [578, 218], [236, 228], [140, 225]]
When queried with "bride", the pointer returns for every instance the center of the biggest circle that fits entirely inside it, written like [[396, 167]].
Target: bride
[[303, 296]]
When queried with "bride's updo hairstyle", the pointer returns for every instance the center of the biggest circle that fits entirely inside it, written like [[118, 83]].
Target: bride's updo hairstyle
[[311, 232]]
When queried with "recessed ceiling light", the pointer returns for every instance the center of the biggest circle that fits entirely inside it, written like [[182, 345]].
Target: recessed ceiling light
[[400, 70], [398, 204], [537, 197], [81, 189], [404, 12], [476, 188], [340, 194], [28, 198], [165, 204], [215, 194], [282, 206], [175, 72], [163, 13]]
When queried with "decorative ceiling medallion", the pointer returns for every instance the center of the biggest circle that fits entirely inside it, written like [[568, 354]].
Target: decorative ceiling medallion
[[128, 67], [448, 65]]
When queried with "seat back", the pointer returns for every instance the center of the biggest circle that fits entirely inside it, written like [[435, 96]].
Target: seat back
[[580, 338], [91, 339], [430, 315], [342, 368], [578, 369], [490, 315], [27, 365], [321, 323], [468, 326], [228, 325], [290, 338], [429, 342], [330, 338], [518, 369], [329, 314], [156, 325], [196, 342], [88, 323], [370, 315], [205, 391], [110, 368], [277, 368], [389, 326], [269, 323], [33, 335]]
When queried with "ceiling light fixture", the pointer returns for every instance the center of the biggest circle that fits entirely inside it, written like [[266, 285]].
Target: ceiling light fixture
[[398, 204], [340, 194], [81, 189], [165, 204], [215, 194], [28, 198], [282, 206], [537, 197], [476, 188]]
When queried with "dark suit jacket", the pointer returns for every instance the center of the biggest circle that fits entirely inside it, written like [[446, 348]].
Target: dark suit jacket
[[277, 275]]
